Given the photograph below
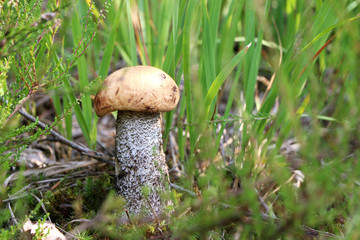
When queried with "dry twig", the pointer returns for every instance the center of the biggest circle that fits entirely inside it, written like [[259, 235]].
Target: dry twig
[[83, 150]]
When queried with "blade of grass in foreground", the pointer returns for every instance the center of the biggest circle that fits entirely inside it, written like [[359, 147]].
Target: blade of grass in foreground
[[214, 88]]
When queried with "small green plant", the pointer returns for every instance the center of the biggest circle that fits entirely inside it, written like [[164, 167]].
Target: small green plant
[[41, 232], [86, 235]]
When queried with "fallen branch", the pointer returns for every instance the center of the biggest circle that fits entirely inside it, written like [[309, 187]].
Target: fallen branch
[[57, 137]]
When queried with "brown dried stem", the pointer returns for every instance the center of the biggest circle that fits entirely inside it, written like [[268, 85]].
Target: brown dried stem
[[83, 150]]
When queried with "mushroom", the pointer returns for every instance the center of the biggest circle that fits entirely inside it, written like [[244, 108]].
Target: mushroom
[[139, 94]]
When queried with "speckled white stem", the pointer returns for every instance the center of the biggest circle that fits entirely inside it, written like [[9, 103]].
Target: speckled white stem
[[141, 161]]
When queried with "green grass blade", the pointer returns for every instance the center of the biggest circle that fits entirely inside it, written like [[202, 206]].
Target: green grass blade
[[233, 90], [131, 36], [327, 31], [169, 115], [68, 120], [252, 74], [181, 136], [162, 20], [171, 60], [85, 114], [208, 49], [187, 72], [228, 33], [58, 108], [214, 13], [214, 88], [110, 43], [72, 99], [147, 29]]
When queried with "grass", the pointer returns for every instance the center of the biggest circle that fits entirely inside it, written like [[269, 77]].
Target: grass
[[269, 91]]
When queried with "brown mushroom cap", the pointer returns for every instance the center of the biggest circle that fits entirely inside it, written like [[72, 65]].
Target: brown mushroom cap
[[139, 88]]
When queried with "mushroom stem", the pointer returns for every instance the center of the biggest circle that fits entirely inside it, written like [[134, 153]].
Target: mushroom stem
[[142, 172]]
